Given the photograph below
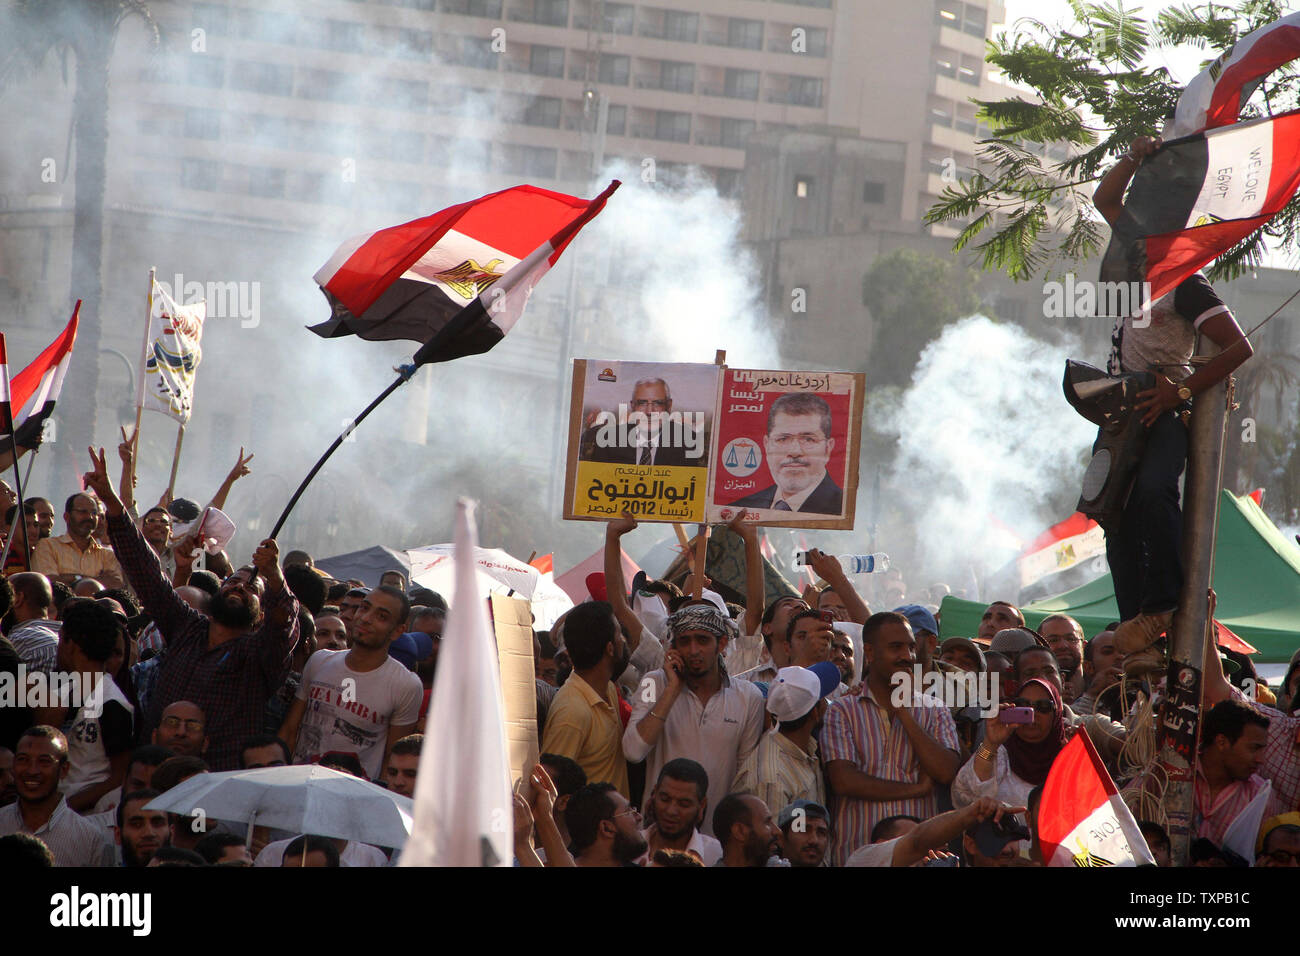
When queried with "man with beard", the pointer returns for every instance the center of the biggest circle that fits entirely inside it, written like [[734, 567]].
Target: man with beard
[[798, 445], [679, 802], [1065, 637], [604, 827], [692, 708], [228, 664], [883, 759], [747, 832], [582, 722], [362, 700], [140, 832]]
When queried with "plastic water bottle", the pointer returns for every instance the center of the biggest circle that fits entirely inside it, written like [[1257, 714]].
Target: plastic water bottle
[[852, 563]]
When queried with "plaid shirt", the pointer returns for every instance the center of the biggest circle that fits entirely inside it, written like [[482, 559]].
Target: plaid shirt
[[230, 682], [1281, 763]]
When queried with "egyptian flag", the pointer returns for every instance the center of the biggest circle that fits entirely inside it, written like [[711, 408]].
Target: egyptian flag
[[1198, 197], [1081, 819], [36, 388], [456, 281], [1216, 95], [1064, 545]]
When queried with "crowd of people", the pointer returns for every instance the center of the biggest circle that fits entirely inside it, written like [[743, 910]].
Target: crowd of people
[[675, 728]]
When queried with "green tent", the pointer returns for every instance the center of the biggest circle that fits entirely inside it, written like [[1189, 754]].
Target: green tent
[[1256, 578]]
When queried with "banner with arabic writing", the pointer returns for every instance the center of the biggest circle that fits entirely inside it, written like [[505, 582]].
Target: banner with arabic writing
[[786, 447], [639, 438]]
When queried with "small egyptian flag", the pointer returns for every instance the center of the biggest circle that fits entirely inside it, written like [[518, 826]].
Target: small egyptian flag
[[36, 388], [1081, 819], [1198, 197], [456, 281]]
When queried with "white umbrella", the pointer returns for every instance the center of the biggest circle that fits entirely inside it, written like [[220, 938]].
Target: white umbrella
[[304, 799], [494, 570]]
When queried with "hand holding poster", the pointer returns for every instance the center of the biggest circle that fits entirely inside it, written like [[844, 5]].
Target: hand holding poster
[[786, 447], [639, 440]]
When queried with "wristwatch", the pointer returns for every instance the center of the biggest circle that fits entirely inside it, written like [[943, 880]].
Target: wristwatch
[[1184, 393]]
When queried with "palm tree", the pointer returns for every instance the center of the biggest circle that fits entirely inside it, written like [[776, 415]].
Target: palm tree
[[83, 30]]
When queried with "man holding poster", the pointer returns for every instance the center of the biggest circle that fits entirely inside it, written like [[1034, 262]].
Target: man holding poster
[[798, 444]]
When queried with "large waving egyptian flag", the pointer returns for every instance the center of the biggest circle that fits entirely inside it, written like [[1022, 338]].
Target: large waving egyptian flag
[[1199, 196], [1216, 95], [1081, 819], [34, 390], [456, 281]]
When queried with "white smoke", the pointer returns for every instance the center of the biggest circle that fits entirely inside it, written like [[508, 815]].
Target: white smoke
[[987, 446]]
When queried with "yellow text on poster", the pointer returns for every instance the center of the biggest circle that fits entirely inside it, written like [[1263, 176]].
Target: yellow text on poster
[[650, 492]]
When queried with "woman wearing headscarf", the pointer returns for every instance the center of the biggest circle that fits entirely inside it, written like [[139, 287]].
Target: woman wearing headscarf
[[1015, 758]]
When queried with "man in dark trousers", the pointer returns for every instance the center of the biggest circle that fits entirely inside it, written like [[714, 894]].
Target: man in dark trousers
[[1145, 551]]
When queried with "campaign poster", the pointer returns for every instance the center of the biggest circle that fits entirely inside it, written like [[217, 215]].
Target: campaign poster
[[786, 448], [639, 439]]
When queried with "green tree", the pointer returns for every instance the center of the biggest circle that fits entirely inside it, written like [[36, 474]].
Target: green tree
[[1092, 93], [81, 32], [912, 296]]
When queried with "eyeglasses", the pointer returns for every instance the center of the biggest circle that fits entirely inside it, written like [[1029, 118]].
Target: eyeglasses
[[192, 726], [626, 810], [1039, 706], [156, 519], [806, 440], [650, 402]]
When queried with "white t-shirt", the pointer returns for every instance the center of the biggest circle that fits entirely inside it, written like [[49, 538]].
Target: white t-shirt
[[100, 728], [351, 711], [354, 854]]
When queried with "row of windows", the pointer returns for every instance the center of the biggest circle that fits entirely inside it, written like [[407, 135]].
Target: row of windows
[[805, 187], [969, 18], [341, 36]]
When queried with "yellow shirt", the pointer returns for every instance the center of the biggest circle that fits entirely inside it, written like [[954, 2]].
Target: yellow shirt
[[62, 556], [586, 728]]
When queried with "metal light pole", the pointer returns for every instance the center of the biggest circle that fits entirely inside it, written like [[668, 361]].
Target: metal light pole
[[1180, 712]]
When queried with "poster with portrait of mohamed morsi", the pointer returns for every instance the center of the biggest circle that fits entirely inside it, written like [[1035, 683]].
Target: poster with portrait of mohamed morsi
[[639, 440], [786, 447]]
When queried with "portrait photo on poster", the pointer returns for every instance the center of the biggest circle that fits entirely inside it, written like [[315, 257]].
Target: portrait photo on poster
[[786, 447], [639, 440]]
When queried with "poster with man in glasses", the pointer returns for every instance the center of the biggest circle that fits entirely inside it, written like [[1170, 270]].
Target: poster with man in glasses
[[786, 447], [639, 439]]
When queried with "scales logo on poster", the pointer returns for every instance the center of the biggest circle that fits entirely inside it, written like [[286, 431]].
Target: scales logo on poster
[[742, 457]]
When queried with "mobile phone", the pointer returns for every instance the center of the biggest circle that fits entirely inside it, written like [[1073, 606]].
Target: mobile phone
[[991, 837], [1016, 715]]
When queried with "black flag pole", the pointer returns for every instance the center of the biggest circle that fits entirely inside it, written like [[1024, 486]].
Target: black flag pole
[[404, 375], [7, 422]]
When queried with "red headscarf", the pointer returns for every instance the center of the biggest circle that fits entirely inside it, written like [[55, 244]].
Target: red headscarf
[[1030, 762]]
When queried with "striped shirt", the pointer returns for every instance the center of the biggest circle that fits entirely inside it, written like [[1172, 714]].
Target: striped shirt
[[73, 839], [861, 731], [779, 772], [1212, 817], [37, 643]]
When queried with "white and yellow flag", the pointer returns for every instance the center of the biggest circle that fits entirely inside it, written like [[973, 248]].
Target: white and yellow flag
[[171, 356]]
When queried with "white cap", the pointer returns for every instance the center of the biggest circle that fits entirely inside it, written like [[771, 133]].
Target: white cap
[[793, 692]]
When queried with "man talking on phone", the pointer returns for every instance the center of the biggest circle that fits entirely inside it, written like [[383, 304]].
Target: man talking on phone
[[692, 708]]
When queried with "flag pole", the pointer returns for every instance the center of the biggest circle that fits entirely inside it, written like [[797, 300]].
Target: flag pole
[[404, 374], [4, 555], [176, 460], [6, 412], [139, 391]]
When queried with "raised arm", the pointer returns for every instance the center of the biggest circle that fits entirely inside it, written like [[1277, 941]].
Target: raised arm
[[755, 589], [615, 586], [278, 635], [239, 471], [1109, 196], [139, 563], [827, 567]]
